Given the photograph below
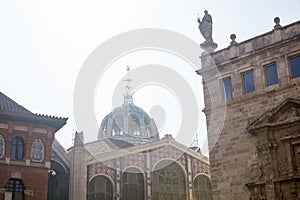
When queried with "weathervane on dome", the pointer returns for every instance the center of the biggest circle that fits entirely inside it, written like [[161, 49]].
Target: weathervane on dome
[[128, 88]]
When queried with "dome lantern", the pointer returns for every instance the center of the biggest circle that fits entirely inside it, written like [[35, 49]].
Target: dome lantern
[[129, 122]]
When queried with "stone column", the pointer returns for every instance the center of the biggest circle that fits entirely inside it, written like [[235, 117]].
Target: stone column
[[78, 170], [266, 160], [118, 184], [189, 177], [148, 174]]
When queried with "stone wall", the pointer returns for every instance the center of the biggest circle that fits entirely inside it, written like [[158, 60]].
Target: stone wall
[[233, 149]]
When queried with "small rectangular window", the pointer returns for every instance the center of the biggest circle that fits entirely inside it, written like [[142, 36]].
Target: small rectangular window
[[272, 76], [295, 67], [227, 88], [248, 78]]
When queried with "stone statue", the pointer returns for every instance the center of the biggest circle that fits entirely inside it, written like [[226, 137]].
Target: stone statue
[[205, 27]]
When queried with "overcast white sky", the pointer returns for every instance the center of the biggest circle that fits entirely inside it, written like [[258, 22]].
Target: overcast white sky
[[43, 45]]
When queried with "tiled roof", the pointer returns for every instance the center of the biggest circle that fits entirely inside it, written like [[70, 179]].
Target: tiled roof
[[10, 105], [11, 110], [119, 143]]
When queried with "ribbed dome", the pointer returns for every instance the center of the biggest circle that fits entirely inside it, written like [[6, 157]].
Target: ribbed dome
[[129, 123]]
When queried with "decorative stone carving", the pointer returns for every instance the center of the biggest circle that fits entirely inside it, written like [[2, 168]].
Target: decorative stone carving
[[257, 191], [233, 42], [255, 173], [16, 175], [2, 146], [28, 192], [270, 189], [288, 111], [277, 25], [291, 114], [283, 166], [37, 150]]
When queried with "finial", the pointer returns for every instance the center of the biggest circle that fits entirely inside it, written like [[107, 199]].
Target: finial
[[195, 144], [128, 88], [233, 37], [277, 25]]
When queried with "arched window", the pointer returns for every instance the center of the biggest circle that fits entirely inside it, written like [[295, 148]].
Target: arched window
[[17, 148], [58, 184], [119, 118], [115, 129], [134, 124], [104, 125], [2, 146], [146, 120], [14, 189], [37, 150], [100, 188], [133, 184], [118, 125], [148, 131], [168, 181], [202, 188]]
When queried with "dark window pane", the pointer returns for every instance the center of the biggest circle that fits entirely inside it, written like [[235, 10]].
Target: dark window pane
[[272, 77], [16, 187], [133, 184], [20, 149], [227, 88], [100, 188], [17, 148], [249, 82], [168, 181], [295, 67], [202, 188], [13, 149]]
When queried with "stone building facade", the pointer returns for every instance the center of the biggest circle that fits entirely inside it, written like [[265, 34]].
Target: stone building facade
[[252, 106], [25, 150], [130, 162]]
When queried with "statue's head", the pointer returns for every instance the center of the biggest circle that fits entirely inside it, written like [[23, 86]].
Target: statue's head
[[205, 12]]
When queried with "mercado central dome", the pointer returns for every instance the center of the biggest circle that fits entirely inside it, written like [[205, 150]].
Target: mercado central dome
[[129, 123]]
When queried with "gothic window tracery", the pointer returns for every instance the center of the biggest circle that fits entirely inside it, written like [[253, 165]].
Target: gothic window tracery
[[37, 150], [2, 146]]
